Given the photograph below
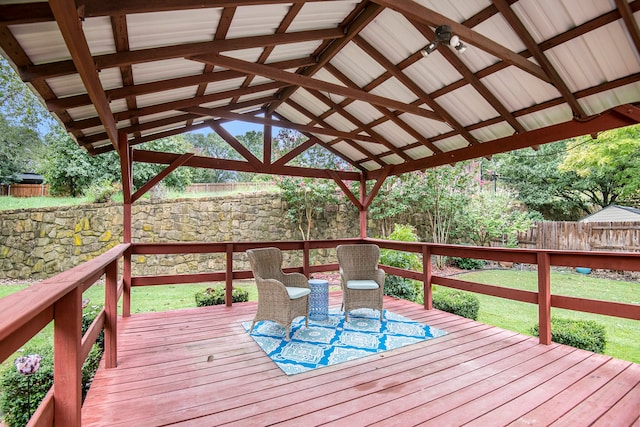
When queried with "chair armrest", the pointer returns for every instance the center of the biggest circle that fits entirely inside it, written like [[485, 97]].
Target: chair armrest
[[296, 280], [271, 289], [379, 277]]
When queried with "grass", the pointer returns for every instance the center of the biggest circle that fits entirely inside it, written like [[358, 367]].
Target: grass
[[622, 334], [11, 203]]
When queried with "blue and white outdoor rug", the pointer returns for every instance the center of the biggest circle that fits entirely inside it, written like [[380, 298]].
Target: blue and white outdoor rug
[[332, 341]]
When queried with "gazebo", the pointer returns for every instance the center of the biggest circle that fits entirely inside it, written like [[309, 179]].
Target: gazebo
[[389, 86]]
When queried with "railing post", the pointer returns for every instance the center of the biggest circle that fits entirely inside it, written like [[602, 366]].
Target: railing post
[[229, 276], [306, 256], [427, 270], [67, 365], [111, 310], [126, 283], [544, 297]]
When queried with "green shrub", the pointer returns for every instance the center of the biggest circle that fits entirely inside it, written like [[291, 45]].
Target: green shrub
[[457, 302], [467, 263], [215, 296], [396, 286], [101, 191], [88, 316], [584, 334], [15, 403]]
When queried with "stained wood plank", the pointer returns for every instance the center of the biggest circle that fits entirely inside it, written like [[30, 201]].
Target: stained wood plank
[[199, 367]]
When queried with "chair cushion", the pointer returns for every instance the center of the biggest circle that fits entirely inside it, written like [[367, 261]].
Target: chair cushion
[[362, 284], [295, 293]]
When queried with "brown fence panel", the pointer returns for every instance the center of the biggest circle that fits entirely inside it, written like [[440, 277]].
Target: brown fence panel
[[220, 187], [24, 190], [582, 236]]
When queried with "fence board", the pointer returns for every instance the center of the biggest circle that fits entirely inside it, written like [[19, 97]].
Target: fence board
[[219, 187], [24, 190], [587, 236]]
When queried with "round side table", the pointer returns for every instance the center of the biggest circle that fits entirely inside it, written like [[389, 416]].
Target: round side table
[[319, 299]]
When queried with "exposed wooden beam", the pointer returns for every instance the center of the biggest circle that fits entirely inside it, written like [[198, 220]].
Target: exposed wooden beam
[[469, 77], [295, 152], [416, 12], [361, 126], [236, 145], [630, 23], [346, 190], [212, 112], [61, 68], [413, 87], [316, 120], [390, 115], [376, 187], [145, 156], [623, 115], [352, 25], [156, 179], [308, 82], [509, 15], [71, 28], [111, 7]]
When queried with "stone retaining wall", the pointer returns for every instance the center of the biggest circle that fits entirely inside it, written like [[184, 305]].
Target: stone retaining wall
[[39, 243]]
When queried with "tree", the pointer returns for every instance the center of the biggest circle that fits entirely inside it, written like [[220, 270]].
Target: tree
[[20, 150], [68, 169], [178, 179], [494, 216], [608, 166], [535, 177], [313, 157], [211, 145], [18, 104], [306, 199]]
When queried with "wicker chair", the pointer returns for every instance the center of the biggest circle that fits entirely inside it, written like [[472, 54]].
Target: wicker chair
[[362, 281], [281, 297]]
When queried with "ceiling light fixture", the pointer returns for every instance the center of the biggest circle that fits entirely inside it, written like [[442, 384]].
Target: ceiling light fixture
[[444, 35]]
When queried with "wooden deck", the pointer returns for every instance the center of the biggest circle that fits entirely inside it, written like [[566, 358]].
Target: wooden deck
[[197, 367]]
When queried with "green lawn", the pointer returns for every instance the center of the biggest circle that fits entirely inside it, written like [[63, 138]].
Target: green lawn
[[11, 203], [623, 335]]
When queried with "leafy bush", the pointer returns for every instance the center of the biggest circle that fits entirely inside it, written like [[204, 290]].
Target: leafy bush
[[15, 403], [215, 296], [457, 302], [88, 316], [467, 263], [396, 286], [584, 334], [22, 394], [101, 191]]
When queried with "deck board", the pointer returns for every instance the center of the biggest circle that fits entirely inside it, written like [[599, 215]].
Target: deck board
[[198, 367]]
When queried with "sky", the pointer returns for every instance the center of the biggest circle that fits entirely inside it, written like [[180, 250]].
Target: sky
[[236, 128]]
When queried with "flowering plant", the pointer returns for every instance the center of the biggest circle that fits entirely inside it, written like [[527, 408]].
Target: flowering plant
[[28, 365]]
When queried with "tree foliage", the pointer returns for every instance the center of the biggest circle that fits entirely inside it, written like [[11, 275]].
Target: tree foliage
[[566, 179], [608, 166], [306, 199]]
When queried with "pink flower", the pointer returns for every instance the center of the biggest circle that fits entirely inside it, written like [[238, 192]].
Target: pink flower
[[28, 365]]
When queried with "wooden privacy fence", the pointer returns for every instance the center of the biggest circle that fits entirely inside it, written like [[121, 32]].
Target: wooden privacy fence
[[579, 236], [24, 190], [219, 187]]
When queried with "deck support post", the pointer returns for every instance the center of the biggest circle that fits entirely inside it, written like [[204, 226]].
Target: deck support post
[[67, 365], [427, 270], [126, 171], [363, 208], [228, 296], [544, 297], [111, 322]]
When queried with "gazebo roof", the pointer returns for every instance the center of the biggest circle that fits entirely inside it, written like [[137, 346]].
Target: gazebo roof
[[351, 75]]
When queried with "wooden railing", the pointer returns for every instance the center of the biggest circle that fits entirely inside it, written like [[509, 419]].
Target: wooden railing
[[59, 298], [544, 259]]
